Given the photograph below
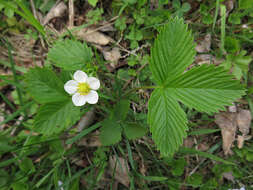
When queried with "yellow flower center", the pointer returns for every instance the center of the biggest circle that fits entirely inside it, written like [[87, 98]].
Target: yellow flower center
[[83, 88]]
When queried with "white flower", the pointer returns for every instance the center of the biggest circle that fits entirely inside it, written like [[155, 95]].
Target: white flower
[[83, 88]]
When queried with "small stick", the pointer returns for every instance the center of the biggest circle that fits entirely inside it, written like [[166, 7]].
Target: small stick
[[71, 13]]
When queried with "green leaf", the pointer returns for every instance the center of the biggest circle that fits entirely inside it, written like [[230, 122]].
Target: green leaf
[[110, 132], [26, 165], [55, 117], [121, 110], [134, 131], [44, 86], [167, 121], [93, 2], [173, 51], [70, 55], [245, 4], [206, 88]]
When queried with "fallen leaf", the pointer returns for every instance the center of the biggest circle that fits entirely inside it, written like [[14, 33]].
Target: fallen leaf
[[243, 121], [232, 108], [121, 170], [92, 36], [91, 140], [56, 11], [240, 141], [228, 176], [86, 120], [204, 45], [227, 122], [113, 55]]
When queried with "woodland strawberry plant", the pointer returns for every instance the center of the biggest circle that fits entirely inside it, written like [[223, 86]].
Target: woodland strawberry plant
[[205, 88]]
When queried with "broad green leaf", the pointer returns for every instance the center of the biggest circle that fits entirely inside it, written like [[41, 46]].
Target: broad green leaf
[[134, 131], [26, 165], [245, 4], [44, 86], [206, 88], [55, 117], [70, 54], [168, 122], [110, 132], [121, 110], [173, 51]]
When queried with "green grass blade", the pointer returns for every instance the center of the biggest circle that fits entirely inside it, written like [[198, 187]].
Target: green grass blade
[[188, 151], [83, 133]]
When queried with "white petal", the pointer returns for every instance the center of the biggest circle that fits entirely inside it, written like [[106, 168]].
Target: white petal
[[93, 83], [92, 97], [71, 86], [80, 76], [78, 99]]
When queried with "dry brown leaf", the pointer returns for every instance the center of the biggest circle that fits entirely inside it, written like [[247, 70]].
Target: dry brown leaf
[[243, 121], [56, 11], [203, 146], [113, 55], [228, 176], [188, 142], [86, 120], [204, 45], [121, 170], [227, 122], [91, 140], [203, 59], [232, 108], [92, 36], [240, 141]]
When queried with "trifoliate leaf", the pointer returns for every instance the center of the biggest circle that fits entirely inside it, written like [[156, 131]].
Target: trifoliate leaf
[[134, 131], [55, 117], [44, 85], [206, 88], [70, 54], [167, 121], [110, 132], [173, 51]]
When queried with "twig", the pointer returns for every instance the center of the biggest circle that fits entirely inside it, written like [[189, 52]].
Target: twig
[[71, 13], [36, 16]]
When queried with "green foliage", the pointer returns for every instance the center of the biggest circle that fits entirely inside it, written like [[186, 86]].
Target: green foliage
[[57, 112], [245, 4], [94, 16], [195, 180], [110, 132], [177, 166], [204, 88], [204, 10], [117, 123], [8, 11], [54, 117], [239, 63], [70, 54], [170, 56], [167, 121], [180, 9], [93, 2], [134, 131], [44, 85]]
